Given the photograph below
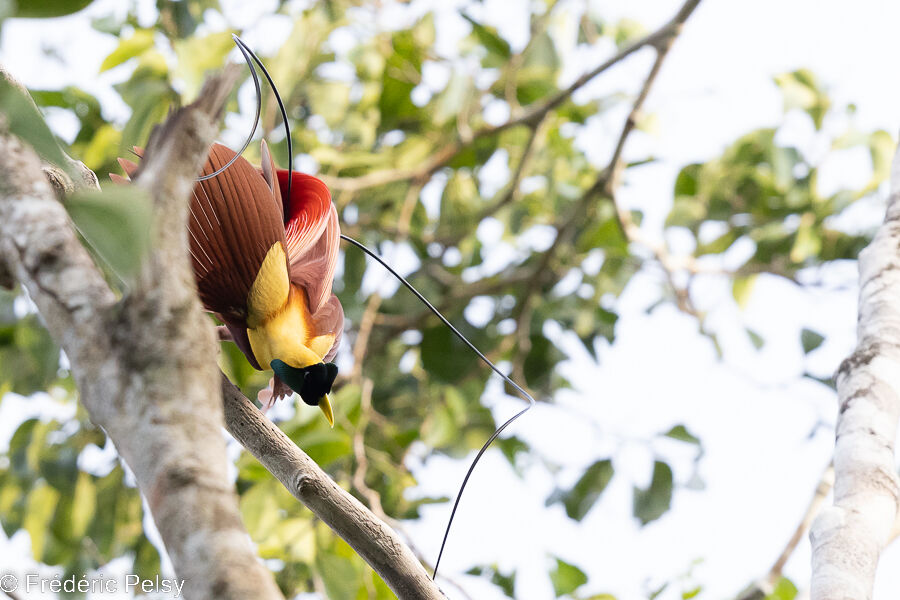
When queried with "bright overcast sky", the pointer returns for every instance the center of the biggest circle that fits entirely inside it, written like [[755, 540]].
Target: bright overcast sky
[[757, 419]]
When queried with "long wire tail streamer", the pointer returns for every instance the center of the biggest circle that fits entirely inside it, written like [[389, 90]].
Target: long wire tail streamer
[[250, 57], [525, 395], [247, 54], [284, 118]]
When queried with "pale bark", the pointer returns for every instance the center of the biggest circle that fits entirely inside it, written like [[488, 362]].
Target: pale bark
[[848, 537], [143, 364]]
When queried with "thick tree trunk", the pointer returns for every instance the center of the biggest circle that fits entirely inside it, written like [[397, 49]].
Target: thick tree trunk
[[143, 364]]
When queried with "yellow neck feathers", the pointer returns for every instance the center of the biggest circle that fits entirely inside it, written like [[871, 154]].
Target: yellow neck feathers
[[279, 324]]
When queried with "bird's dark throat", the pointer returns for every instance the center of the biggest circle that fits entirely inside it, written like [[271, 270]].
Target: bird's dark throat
[[311, 382]]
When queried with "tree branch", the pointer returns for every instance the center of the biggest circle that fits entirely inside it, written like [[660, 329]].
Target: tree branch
[[660, 39], [848, 537], [142, 364], [372, 539]]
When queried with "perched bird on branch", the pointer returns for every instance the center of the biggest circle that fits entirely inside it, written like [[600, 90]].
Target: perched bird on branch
[[264, 245]]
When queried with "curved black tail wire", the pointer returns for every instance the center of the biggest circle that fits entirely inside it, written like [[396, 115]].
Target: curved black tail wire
[[284, 118], [248, 55], [244, 50], [525, 395]]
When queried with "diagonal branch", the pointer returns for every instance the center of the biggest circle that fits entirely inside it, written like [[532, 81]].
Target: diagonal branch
[[609, 181], [372, 539], [660, 39], [848, 538]]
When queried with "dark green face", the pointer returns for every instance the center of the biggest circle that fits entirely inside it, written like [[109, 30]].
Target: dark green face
[[311, 382]]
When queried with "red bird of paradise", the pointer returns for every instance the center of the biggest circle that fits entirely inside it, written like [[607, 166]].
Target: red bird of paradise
[[264, 245]]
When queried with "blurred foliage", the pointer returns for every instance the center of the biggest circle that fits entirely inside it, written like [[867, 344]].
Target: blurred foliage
[[754, 209]]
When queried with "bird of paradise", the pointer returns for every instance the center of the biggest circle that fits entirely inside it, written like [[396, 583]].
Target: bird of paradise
[[264, 244]]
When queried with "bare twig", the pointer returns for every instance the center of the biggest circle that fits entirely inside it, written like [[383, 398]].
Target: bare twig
[[605, 185], [610, 179], [372, 539], [659, 39], [511, 193]]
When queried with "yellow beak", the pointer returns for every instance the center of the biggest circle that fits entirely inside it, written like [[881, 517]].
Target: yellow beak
[[325, 406]]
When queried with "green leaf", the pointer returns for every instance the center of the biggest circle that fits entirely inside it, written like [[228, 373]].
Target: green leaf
[[58, 464], [541, 52], [341, 577], [117, 223], [652, 503], [801, 89], [84, 503], [151, 99], [808, 242], [444, 356], [511, 447], [29, 358], [742, 288], [199, 54], [498, 49], [784, 590], [624, 31], [686, 181], [146, 559], [324, 445], [810, 340], [454, 97], [881, 150], [259, 510], [45, 9], [39, 509], [680, 433], [720, 244], [586, 491], [757, 340], [605, 232], [507, 583], [25, 121], [566, 578], [140, 41], [540, 362]]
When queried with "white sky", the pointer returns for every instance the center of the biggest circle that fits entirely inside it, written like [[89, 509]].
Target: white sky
[[752, 411]]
